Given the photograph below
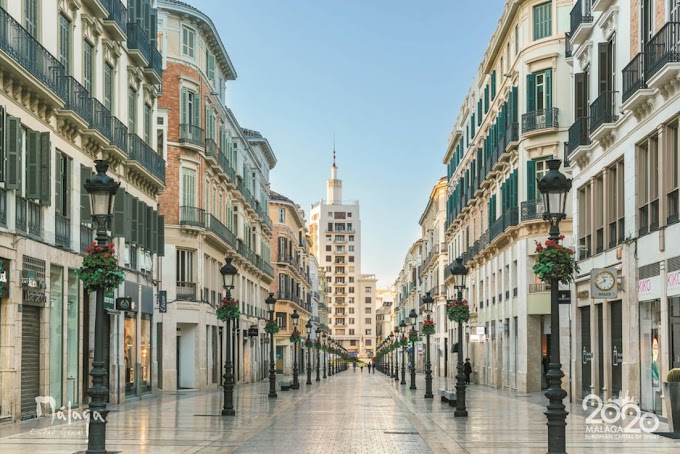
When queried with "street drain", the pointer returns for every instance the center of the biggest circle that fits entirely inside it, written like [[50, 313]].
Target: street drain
[[402, 433]]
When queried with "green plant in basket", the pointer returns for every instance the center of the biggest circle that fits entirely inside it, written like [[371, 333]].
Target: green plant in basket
[[228, 310], [100, 268], [458, 311], [555, 262], [309, 343], [295, 337], [271, 327], [428, 327]]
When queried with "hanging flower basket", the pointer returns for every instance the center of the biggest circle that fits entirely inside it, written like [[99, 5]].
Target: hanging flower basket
[[228, 310], [428, 328], [317, 344], [413, 337], [271, 327], [404, 341], [458, 312], [295, 337], [309, 343], [100, 268], [555, 262]]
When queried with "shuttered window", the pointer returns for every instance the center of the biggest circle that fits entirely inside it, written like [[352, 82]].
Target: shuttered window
[[542, 20], [191, 108], [539, 90], [188, 187], [2, 143], [108, 87], [188, 42], [88, 66], [38, 166], [65, 42], [147, 123], [62, 185], [13, 146], [120, 220], [132, 111], [31, 17], [210, 66], [160, 249], [85, 215], [531, 180]]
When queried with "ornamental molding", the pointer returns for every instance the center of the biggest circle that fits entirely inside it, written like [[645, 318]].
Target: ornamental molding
[[112, 50], [583, 53], [135, 77], [608, 22], [92, 28]]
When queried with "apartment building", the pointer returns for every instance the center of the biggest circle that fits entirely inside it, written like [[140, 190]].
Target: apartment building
[[512, 121], [215, 206], [79, 83], [623, 144], [335, 231], [409, 295], [432, 274], [292, 285]]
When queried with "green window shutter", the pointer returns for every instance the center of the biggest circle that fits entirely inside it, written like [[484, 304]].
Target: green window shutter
[[154, 231], [185, 106], [127, 231], [85, 215], [13, 151], [119, 221], [133, 220], [197, 111], [45, 153], [58, 187], [548, 88], [531, 180], [493, 85], [32, 165], [141, 223], [211, 67], [531, 92], [149, 228], [2, 143], [486, 99], [479, 112], [515, 104], [160, 248]]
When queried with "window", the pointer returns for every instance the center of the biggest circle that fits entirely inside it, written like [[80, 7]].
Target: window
[[282, 215], [367, 289], [648, 188], [282, 320], [191, 109], [329, 259], [516, 40], [351, 279], [351, 238], [108, 87], [542, 20], [185, 265], [65, 42], [584, 204], [671, 178], [188, 42], [88, 66], [328, 248], [367, 310], [210, 65], [351, 321], [147, 123], [63, 185], [188, 189], [615, 198], [351, 332], [132, 111], [31, 17], [352, 343], [367, 300], [598, 215], [368, 341], [368, 332], [351, 310], [351, 290], [351, 258]]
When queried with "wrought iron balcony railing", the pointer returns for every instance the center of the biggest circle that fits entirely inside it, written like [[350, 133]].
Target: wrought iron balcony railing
[[580, 14], [86, 236], [531, 209], [603, 110], [579, 134], [191, 134], [662, 49], [567, 45], [186, 290], [540, 119], [221, 230], [120, 134], [146, 157], [156, 62], [139, 40], [3, 207], [117, 12], [62, 231], [77, 99], [192, 216], [101, 119], [633, 76]]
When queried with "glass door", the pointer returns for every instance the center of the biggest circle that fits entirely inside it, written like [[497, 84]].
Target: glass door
[[650, 354], [616, 326], [586, 352]]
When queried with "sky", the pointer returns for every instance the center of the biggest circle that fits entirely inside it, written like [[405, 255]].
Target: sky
[[386, 78]]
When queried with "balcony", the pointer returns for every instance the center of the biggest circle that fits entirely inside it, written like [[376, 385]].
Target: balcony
[[138, 44], [3, 207], [86, 236], [532, 210], [146, 160], [579, 135], [662, 62], [186, 291], [116, 19], [77, 101], [540, 120], [226, 167], [568, 51], [120, 136], [191, 216], [581, 19], [211, 152], [97, 8], [603, 115], [28, 217], [508, 219], [101, 125], [191, 134], [155, 69], [602, 5], [30, 61], [62, 231], [222, 232]]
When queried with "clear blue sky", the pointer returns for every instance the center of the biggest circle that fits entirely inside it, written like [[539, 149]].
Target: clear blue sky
[[387, 77]]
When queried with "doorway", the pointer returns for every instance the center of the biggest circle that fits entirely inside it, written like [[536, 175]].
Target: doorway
[[30, 360], [586, 352], [617, 347]]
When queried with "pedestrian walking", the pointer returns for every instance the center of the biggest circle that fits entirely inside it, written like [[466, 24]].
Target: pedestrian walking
[[362, 367], [355, 366], [369, 367], [467, 369]]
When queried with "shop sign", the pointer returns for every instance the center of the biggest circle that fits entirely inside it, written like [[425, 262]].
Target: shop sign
[[475, 338], [109, 301], [673, 283], [163, 301], [648, 288], [253, 331], [35, 296]]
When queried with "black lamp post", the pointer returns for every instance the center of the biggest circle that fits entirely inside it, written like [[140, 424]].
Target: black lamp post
[[228, 272], [459, 273], [102, 190], [414, 318], [271, 304], [330, 356], [397, 339], [554, 187], [318, 354], [309, 354], [427, 300], [402, 328], [325, 347], [295, 317]]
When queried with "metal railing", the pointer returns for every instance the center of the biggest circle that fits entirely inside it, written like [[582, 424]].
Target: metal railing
[[186, 290], [3, 207], [139, 40], [77, 99], [86, 236], [35, 219], [221, 230], [191, 134], [579, 134], [662, 49], [191, 216], [62, 231], [602, 110], [531, 209], [146, 157], [540, 119], [21, 218], [23, 48], [120, 134], [567, 45], [156, 63], [633, 76], [210, 148], [101, 119], [580, 14], [508, 219], [117, 12]]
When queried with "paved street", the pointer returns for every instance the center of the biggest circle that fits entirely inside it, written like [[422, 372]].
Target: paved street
[[351, 412]]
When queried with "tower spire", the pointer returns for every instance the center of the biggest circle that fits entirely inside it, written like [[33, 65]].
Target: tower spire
[[334, 150]]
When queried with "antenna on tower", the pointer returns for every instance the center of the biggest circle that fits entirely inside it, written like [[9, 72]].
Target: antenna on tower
[[333, 149]]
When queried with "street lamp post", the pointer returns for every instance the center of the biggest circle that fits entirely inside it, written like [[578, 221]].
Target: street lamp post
[[295, 317], [228, 272], [102, 190], [325, 348], [271, 303], [459, 273], [554, 187], [309, 355], [318, 354], [402, 328], [414, 318], [396, 353], [427, 299]]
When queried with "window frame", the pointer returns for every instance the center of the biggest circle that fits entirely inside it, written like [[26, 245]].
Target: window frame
[[542, 26], [188, 49]]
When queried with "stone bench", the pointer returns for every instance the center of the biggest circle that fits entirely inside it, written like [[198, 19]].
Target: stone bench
[[285, 384], [448, 395]]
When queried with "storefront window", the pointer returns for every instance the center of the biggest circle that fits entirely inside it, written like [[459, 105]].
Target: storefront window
[[674, 305], [650, 356], [72, 338], [146, 352], [56, 330], [130, 353]]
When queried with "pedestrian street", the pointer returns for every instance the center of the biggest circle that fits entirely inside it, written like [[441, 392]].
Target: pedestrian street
[[350, 412]]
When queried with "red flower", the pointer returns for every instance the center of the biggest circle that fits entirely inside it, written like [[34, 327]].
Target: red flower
[[571, 251], [561, 237], [110, 245], [94, 243], [106, 256]]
